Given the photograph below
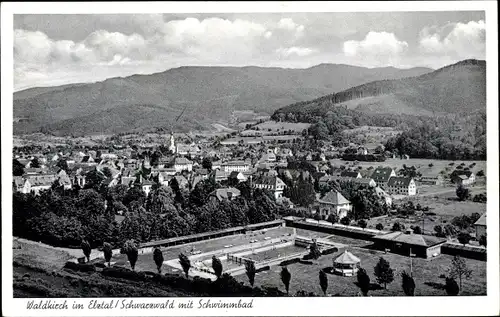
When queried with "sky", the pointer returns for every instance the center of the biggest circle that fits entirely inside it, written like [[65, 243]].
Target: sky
[[52, 50]]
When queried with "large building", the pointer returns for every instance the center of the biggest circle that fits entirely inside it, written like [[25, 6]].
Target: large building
[[235, 166], [271, 183], [183, 164], [381, 176], [402, 186], [410, 244], [334, 203]]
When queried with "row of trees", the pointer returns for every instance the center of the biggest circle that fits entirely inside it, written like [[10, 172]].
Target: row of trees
[[63, 217]]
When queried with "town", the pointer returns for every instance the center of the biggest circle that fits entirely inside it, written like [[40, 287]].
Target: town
[[242, 198]]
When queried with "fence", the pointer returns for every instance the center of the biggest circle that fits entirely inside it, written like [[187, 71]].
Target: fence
[[238, 259], [464, 251]]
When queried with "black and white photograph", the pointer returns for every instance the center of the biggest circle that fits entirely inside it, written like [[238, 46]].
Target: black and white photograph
[[232, 155]]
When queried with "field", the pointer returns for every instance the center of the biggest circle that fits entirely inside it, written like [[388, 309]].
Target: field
[[426, 274], [273, 126], [422, 165], [370, 136], [445, 209], [260, 139]]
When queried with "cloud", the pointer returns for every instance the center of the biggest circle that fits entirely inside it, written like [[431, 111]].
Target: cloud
[[463, 40], [294, 50], [376, 43]]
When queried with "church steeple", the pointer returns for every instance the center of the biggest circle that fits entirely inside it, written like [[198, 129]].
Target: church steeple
[[171, 145]]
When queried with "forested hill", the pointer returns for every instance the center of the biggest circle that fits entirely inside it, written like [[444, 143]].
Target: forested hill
[[457, 88], [208, 95]]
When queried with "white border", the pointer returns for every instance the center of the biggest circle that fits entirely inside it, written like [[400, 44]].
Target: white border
[[385, 306]]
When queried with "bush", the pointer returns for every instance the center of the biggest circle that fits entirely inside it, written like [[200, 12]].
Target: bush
[[480, 173], [379, 226], [345, 221], [396, 227]]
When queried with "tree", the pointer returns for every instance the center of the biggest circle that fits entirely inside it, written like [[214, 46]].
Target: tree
[[345, 221], [314, 252], [217, 266], [185, 263], [396, 227], [463, 238], [158, 258], [86, 249], [207, 163], [17, 168], [362, 223], [462, 193], [439, 231], [451, 287], [417, 230], [482, 240], [363, 281], [286, 277], [108, 252], [250, 271], [379, 226], [459, 269], [130, 249], [408, 284], [384, 272], [323, 281]]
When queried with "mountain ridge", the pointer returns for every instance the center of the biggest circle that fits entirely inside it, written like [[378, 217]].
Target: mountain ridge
[[207, 94], [446, 90]]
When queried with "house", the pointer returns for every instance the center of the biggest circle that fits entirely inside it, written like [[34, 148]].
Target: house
[[381, 176], [362, 150], [88, 160], [195, 180], [17, 183], [127, 180], [185, 149], [232, 166], [284, 152], [463, 177], [431, 179], [268, 157], [353, 174], [226, 193], [271, 183], [163, 178], [146, 186], [36, 183], [182, 164], [334, 203], [369, 182], [402, 186], [219, 176], [409, 243], [237, 177], [480, 226], [216, 165]]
